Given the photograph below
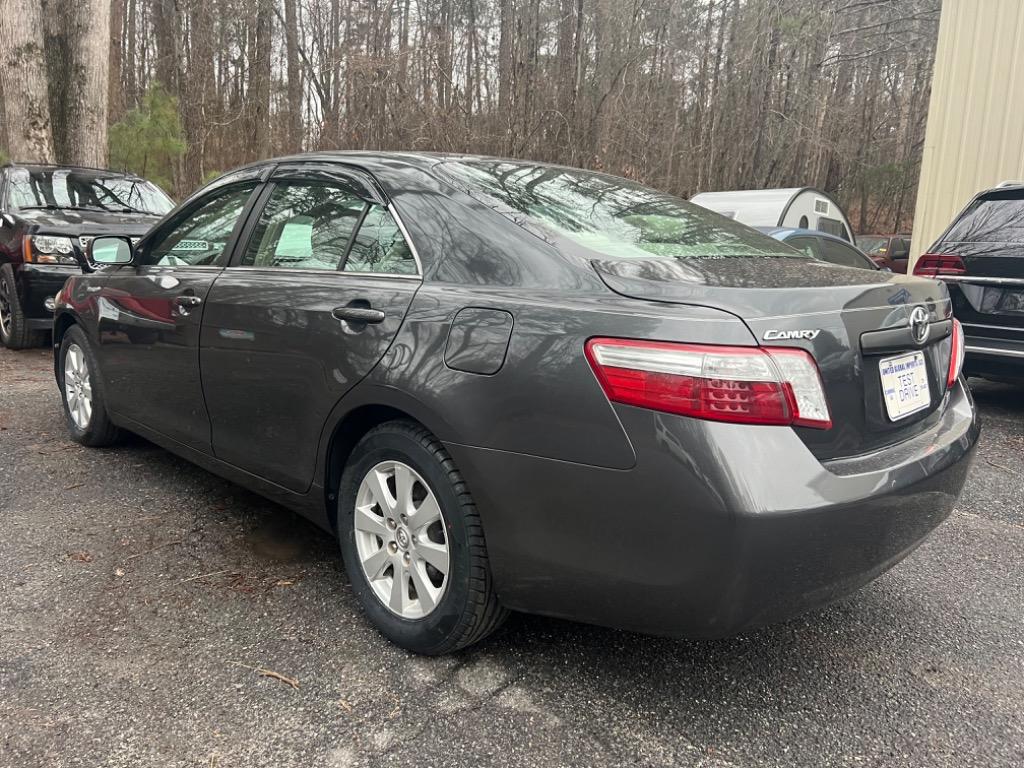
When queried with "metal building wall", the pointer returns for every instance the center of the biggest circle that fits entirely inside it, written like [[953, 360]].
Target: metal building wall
[[975, 134]]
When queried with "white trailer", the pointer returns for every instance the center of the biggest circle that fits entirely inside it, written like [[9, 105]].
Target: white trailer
[[799, 207]]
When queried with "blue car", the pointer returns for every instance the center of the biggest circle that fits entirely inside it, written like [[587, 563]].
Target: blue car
[[822, 246]]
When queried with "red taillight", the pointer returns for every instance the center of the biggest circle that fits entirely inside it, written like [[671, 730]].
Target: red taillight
[[936, 264], [956, 355], [750, 385]]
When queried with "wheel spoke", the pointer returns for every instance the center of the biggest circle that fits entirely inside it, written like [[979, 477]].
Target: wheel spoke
[[434, 553], [425, 591], [403, 489], [375, 564], [427, 513], [379, 489], [367, 521], [399, 599], [87, 389]]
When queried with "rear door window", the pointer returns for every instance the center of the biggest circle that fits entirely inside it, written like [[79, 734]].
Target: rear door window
[[304, 226], [845, 255], [999, 220], [379, 246]]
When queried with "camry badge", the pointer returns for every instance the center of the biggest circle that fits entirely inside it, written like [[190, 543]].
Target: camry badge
[[773, 334], [919, 324]]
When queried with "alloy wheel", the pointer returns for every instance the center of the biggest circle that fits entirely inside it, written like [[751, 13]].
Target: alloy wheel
[[401, 539], [5, 310], [77, 386]]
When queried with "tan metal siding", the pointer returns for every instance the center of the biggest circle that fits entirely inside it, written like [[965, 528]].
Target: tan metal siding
[[975, 134]]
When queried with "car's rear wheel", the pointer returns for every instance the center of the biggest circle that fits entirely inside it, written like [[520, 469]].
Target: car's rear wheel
[[413, 544], [85, 408], [14, 330]]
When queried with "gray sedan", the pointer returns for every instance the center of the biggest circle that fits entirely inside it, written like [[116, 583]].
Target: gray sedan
[[511, 386]]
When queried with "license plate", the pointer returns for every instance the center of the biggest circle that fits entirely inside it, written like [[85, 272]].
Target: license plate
[[904, 384]]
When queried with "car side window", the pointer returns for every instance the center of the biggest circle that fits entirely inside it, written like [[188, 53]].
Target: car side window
[[840, 253], [200, 236], [304, 225], [380, 247], [805, 244], [832, 227]]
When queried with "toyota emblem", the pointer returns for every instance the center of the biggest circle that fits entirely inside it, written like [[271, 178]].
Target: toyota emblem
[[919, 324]]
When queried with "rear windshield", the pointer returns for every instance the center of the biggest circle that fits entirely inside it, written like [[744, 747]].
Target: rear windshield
[[872, 244], [84, 190], [999, 220], [608, 215]]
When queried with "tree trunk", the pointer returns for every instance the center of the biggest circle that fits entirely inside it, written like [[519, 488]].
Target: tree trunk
[[29, 136], [115, 98], [294, 76], [88, 77], [259, 79]]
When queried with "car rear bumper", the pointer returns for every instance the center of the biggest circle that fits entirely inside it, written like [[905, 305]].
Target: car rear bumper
[[718, 527], [996, 356], [36, 284]]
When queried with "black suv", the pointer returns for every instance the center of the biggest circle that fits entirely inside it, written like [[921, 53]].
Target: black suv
[[981, 258], [47, 214]]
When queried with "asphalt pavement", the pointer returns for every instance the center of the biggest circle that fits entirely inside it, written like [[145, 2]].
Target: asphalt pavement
[[152, 614]]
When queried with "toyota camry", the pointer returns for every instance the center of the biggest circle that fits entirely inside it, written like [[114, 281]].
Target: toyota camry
[[512, 386]]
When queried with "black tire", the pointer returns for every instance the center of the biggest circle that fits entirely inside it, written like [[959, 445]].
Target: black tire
[[99, 431], [468, 610], [15, 333]]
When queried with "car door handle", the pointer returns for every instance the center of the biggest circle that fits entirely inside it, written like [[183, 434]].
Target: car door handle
[[183, 304], [359, 314]]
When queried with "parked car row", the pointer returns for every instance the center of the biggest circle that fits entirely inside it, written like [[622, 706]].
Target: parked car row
[[512, 386]]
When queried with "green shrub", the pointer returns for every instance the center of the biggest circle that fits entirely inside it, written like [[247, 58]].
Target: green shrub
[[149, 140]]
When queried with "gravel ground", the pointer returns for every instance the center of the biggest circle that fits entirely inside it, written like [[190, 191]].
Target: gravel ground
[[145, 603]]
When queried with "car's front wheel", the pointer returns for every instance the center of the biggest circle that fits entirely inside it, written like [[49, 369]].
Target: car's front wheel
[[85, 408], [413, 544], [14, 330]]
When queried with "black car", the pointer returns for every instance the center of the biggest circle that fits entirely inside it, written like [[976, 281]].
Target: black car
[[980, 257], [505, 385], [48, 215]]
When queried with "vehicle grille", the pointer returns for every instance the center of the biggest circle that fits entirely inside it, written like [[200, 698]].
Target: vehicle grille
[[84, 240]]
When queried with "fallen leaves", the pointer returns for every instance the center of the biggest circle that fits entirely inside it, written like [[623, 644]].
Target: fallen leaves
[[80, 557]]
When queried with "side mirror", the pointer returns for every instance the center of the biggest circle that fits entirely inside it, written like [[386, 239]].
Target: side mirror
[[108, 251]]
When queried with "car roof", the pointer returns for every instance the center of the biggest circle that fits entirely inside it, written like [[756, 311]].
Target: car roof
[[784, 233], [370, 159], [59, 167]]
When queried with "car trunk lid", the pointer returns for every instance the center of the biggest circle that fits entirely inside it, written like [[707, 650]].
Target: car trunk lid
[[850, 320]]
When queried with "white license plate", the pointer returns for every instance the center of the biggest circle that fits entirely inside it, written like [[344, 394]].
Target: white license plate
[[904, 384]]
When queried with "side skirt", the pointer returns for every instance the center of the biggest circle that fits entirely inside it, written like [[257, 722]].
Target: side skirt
[[310, 504]]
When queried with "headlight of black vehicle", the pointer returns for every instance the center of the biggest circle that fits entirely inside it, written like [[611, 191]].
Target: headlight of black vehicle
[[48, 249]]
